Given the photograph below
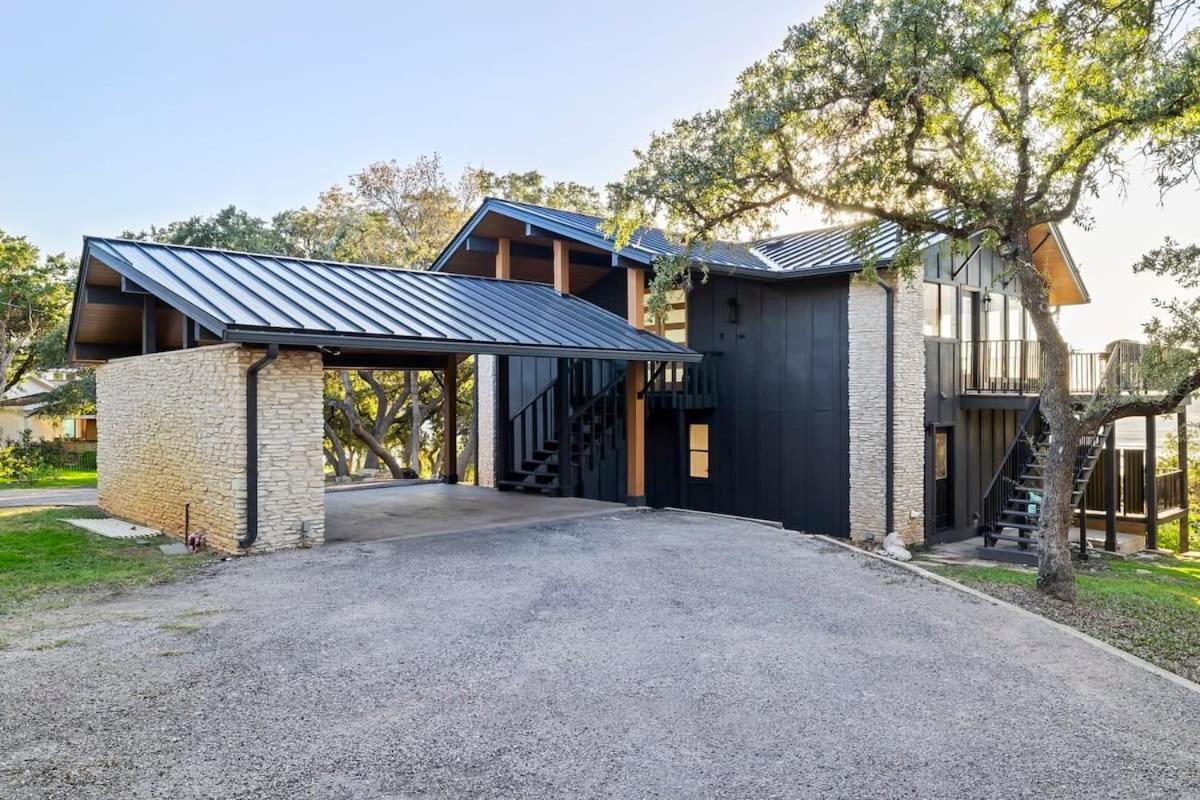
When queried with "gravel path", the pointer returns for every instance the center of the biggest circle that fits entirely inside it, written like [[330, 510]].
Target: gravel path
[[633, 655]]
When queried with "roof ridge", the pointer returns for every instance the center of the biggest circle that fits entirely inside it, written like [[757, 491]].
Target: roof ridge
[[325, 261]]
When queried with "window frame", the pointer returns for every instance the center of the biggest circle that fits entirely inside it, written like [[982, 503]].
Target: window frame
[[692, 450]]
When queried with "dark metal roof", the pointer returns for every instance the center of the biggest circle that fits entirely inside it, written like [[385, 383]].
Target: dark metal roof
[[262, 298], [814, 252]]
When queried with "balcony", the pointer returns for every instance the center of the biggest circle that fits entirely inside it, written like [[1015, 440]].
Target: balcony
[[676, 385], [1017, 367]]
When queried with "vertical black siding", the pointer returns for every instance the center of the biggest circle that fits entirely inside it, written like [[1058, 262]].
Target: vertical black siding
[[780, 434]]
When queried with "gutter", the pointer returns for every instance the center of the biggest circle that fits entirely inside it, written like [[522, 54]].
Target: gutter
[[889, 409], [251, 534]]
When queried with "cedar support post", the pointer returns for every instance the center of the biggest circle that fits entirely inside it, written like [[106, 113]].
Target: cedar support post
[[1151, 473], [1185, 520], [562, 267], [503, 260], [1110, 491], [635, 406], [450, 421]]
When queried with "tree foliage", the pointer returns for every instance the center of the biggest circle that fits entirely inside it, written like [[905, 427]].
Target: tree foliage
[[34, 297], [946, 117]]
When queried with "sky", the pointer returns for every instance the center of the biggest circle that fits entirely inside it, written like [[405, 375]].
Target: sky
[[117, 116]]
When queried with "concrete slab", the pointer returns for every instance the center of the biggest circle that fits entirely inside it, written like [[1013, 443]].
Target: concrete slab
[[402, 512]]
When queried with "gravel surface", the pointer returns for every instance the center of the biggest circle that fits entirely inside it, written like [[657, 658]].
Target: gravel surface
[[632, 655], [10, 498]]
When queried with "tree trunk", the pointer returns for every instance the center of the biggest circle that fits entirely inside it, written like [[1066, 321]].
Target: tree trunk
[[468, 453], [350, 409], [1056, 574], [336, 453], [412, 381]]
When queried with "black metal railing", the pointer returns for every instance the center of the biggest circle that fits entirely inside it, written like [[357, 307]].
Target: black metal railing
[[1018, 367], [1017, 459], [675, 384]]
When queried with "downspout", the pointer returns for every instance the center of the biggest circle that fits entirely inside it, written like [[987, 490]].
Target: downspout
[[251, 534], [889, 408]]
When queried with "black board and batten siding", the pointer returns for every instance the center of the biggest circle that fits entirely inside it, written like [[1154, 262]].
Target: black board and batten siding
[[981, 436], [779, 434]]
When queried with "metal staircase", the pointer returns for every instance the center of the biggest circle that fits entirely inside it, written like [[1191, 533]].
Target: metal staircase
[[589, 403]]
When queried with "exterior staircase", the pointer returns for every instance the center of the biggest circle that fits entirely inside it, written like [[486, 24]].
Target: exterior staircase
[[592, 412], [1015, 496]]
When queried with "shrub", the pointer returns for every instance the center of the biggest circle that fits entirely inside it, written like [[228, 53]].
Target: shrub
[[27, 461]]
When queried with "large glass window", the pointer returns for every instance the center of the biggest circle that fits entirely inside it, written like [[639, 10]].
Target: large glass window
[[941, 310], [1016, 319], [994, 323]]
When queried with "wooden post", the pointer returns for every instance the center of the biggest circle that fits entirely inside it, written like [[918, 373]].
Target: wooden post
[[503, 260], [562, 425], [1150, 472], [635, 406], [450, 421], [562, 267], [149, 324], [188, 333], [1185, 519], [1110, 491]]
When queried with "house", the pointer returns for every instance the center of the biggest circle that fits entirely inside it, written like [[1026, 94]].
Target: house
[[18, 413], [780, 387]]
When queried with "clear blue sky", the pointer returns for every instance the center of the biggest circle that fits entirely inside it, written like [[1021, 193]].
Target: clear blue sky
[[120, 115]]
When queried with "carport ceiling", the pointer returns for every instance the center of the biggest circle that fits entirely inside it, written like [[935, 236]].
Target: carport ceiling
[[352, 311]]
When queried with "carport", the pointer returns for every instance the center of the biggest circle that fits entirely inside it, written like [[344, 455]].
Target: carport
[[210, 364]]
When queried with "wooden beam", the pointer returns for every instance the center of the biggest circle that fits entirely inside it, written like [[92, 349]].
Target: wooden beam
[[450, 420], [149, 324], [623, 262], [1182, 439], [187, 333], [383, 361], [542, 233], [1151, 491], [562, 266], [536, 252], [105, 352], [109, 296], [504, 259], [635, 405], [131, 287]]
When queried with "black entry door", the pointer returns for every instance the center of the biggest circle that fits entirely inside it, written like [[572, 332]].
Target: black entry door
[[943, 479]]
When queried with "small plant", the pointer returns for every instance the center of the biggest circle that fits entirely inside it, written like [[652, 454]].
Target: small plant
[[27, 461]]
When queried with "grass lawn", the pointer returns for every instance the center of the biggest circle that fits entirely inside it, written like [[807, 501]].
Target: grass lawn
[[1150, 608], [67, 479], [42, 558]]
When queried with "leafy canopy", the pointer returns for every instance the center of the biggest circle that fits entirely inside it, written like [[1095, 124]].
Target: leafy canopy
[[34, 297], [1007, 113]]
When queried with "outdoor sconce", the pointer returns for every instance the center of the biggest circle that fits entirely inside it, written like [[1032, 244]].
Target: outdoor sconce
[[731, 311], [986, 303]]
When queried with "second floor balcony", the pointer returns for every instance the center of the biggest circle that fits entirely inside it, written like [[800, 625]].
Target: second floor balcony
[[1018, 367]]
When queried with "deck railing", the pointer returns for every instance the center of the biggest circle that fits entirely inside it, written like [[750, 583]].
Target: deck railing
[[675, 384], [1018, 367]]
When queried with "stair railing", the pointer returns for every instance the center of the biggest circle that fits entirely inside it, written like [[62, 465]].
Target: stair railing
[[533, 425], [1017, 459]]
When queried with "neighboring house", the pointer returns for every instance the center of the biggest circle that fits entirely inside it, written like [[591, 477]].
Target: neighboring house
[[18, 413], [764, 393]]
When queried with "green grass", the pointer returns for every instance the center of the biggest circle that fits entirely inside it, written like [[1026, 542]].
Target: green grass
[[1148, 607], [67, 479], [41, 558]]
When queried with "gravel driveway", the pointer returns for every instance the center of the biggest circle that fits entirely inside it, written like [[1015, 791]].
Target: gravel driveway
[[630, 655]]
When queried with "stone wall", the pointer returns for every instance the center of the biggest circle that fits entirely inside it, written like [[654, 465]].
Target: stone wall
[[867, 320], [485, 410], [173, 432]]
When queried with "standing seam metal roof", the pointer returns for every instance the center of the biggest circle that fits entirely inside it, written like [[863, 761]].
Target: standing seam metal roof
[[250, 297]]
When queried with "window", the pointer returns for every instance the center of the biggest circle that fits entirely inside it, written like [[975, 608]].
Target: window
[[698, 450], [995, 317], [673, 328], [1016, 316], [941, 455], [68, 429], [941, 310]]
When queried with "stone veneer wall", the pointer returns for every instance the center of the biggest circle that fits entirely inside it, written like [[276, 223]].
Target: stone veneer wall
[[485, 410], [173, 431], [867, 320]]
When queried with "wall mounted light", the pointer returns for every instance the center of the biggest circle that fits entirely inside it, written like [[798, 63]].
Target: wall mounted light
[[731, 311], [986, 303]]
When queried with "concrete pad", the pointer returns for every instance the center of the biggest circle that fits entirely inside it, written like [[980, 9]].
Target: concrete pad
[[402, 512]]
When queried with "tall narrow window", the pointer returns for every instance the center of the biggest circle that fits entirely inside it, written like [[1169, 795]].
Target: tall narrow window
[[932, 311], [949, 312], [698, 450]]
